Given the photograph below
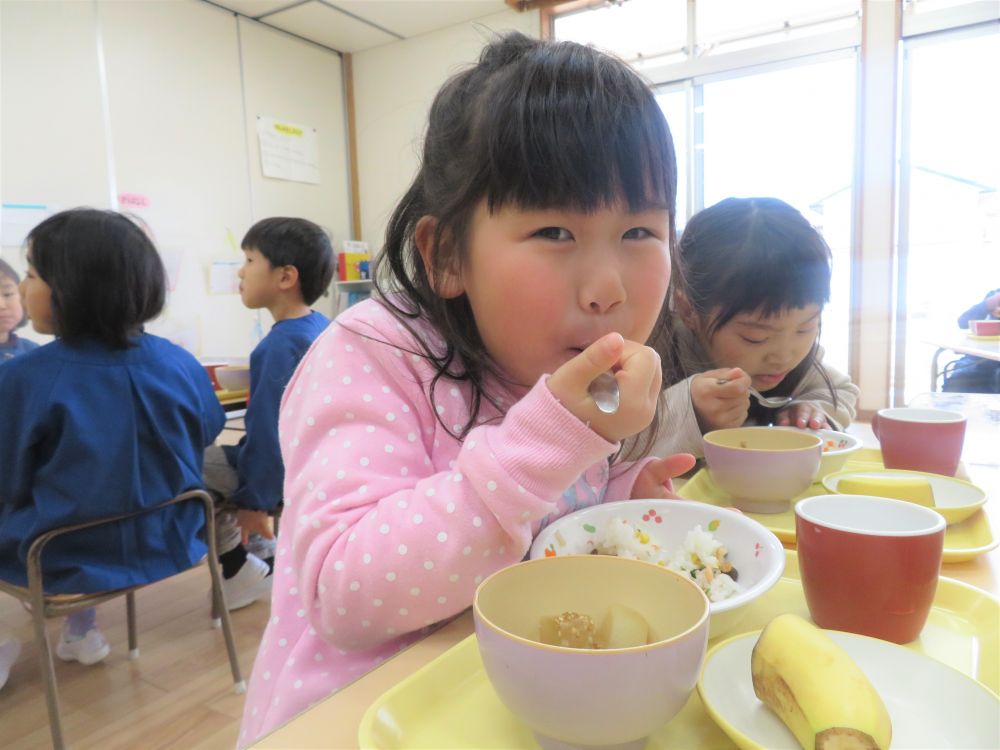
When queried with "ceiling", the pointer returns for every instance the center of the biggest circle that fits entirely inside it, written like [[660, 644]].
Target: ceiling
[[356, 25]]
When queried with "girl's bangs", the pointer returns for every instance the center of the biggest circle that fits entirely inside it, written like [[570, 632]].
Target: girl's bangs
[[789, 287], [580, 151]]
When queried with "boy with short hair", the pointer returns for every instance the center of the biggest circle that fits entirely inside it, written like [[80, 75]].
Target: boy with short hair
[[289, 264]]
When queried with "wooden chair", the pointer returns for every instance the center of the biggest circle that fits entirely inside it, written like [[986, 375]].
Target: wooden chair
[[44, 606]]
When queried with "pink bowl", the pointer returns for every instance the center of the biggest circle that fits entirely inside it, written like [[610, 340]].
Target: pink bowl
[[583, 698], [984, 327], [762, 468]]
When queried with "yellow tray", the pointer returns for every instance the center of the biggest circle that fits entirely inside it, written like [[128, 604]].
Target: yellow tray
[[449, 703], [962, 541], [228, 397], [977, 337]]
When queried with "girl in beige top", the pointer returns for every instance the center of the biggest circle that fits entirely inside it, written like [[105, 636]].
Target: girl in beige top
[[753, 279]]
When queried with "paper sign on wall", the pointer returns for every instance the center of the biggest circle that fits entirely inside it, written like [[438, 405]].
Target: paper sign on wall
[[224, 277], [17, 219], [288, 151]]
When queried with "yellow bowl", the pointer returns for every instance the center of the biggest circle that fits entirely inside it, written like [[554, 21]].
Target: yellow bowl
[[955, 499]]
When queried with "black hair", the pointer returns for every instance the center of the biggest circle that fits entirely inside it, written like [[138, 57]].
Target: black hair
[[534, 124], [105, 274], [756, 255], [295, 242], [7, 270]]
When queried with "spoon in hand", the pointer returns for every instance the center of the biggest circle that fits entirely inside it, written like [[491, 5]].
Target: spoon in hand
[[604, 390], [771, 402]]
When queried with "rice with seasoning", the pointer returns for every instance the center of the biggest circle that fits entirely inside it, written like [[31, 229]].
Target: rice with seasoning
[[702, 556]]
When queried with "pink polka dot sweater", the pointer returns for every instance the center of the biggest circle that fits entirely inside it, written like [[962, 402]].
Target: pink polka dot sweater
[[391, 521]]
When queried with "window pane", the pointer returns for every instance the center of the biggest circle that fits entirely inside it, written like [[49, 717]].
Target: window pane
[[737, 24], [954, 212], [674, 106], [789, 133], [638, 28]]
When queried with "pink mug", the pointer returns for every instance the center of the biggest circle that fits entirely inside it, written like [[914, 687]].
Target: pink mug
[[920, 439], [984, 327]]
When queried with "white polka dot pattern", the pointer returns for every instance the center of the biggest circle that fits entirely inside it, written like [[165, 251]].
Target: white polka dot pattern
[[390, 521]]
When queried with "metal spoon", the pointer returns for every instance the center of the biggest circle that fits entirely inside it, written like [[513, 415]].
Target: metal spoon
[[604, 390], [771, 402]]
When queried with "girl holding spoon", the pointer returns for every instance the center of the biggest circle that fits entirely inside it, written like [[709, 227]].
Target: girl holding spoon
[[747, 314], [431, 431]]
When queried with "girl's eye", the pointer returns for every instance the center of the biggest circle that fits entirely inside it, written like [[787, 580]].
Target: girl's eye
[[810, 332], [753, 341], [637, 233], [554, 233]]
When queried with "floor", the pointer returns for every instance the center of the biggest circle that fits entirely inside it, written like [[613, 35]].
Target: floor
[[177, 694]]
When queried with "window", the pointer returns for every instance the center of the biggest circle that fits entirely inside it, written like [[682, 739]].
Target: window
[[770, 122], [789, 133], [949, 206], [674, 103]]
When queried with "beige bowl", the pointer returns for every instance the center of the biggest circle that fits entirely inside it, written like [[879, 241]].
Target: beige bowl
[[581, 697], [233, 377], [762, 468]]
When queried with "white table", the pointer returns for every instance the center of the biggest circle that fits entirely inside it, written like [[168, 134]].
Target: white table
[[985, 349]]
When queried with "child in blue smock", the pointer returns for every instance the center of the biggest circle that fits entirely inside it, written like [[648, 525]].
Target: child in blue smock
[[288, 266], [104, 420], [11, 315]]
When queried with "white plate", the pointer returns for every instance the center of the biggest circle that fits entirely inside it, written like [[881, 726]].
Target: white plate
[[931, 705]]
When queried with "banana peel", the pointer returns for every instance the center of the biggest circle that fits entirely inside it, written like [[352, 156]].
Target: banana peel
[[817, 689]]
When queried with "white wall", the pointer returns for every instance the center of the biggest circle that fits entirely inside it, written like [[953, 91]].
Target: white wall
[[393, 89], [171, 116]]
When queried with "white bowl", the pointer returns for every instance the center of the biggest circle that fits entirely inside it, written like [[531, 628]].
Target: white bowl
[[755, 552], [837, 448], [233, 377]]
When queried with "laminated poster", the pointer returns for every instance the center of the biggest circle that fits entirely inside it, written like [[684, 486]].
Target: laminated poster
[[288, 151]]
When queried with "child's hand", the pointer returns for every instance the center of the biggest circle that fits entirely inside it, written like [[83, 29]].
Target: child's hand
[[253, 522], [654, 482], [720, 405], [637, 370], [803, 414]]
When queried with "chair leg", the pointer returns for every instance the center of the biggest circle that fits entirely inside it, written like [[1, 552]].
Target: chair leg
[[48, 676], [222, 613], [133, 633]]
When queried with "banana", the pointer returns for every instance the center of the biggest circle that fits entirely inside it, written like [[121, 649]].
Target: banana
[[816, 689]]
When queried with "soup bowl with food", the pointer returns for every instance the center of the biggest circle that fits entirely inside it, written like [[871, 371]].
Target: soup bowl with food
[[591, 651], [762, 468]]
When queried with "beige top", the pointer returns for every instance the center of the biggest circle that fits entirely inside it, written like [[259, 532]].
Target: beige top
[[680, 432]]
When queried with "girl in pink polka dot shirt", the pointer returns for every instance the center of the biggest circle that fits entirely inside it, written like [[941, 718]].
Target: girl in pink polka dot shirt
[[430, 432]]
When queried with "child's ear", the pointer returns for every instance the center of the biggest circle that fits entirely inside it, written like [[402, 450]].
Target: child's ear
[[289, 277], [447, 283], [684, 309]]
